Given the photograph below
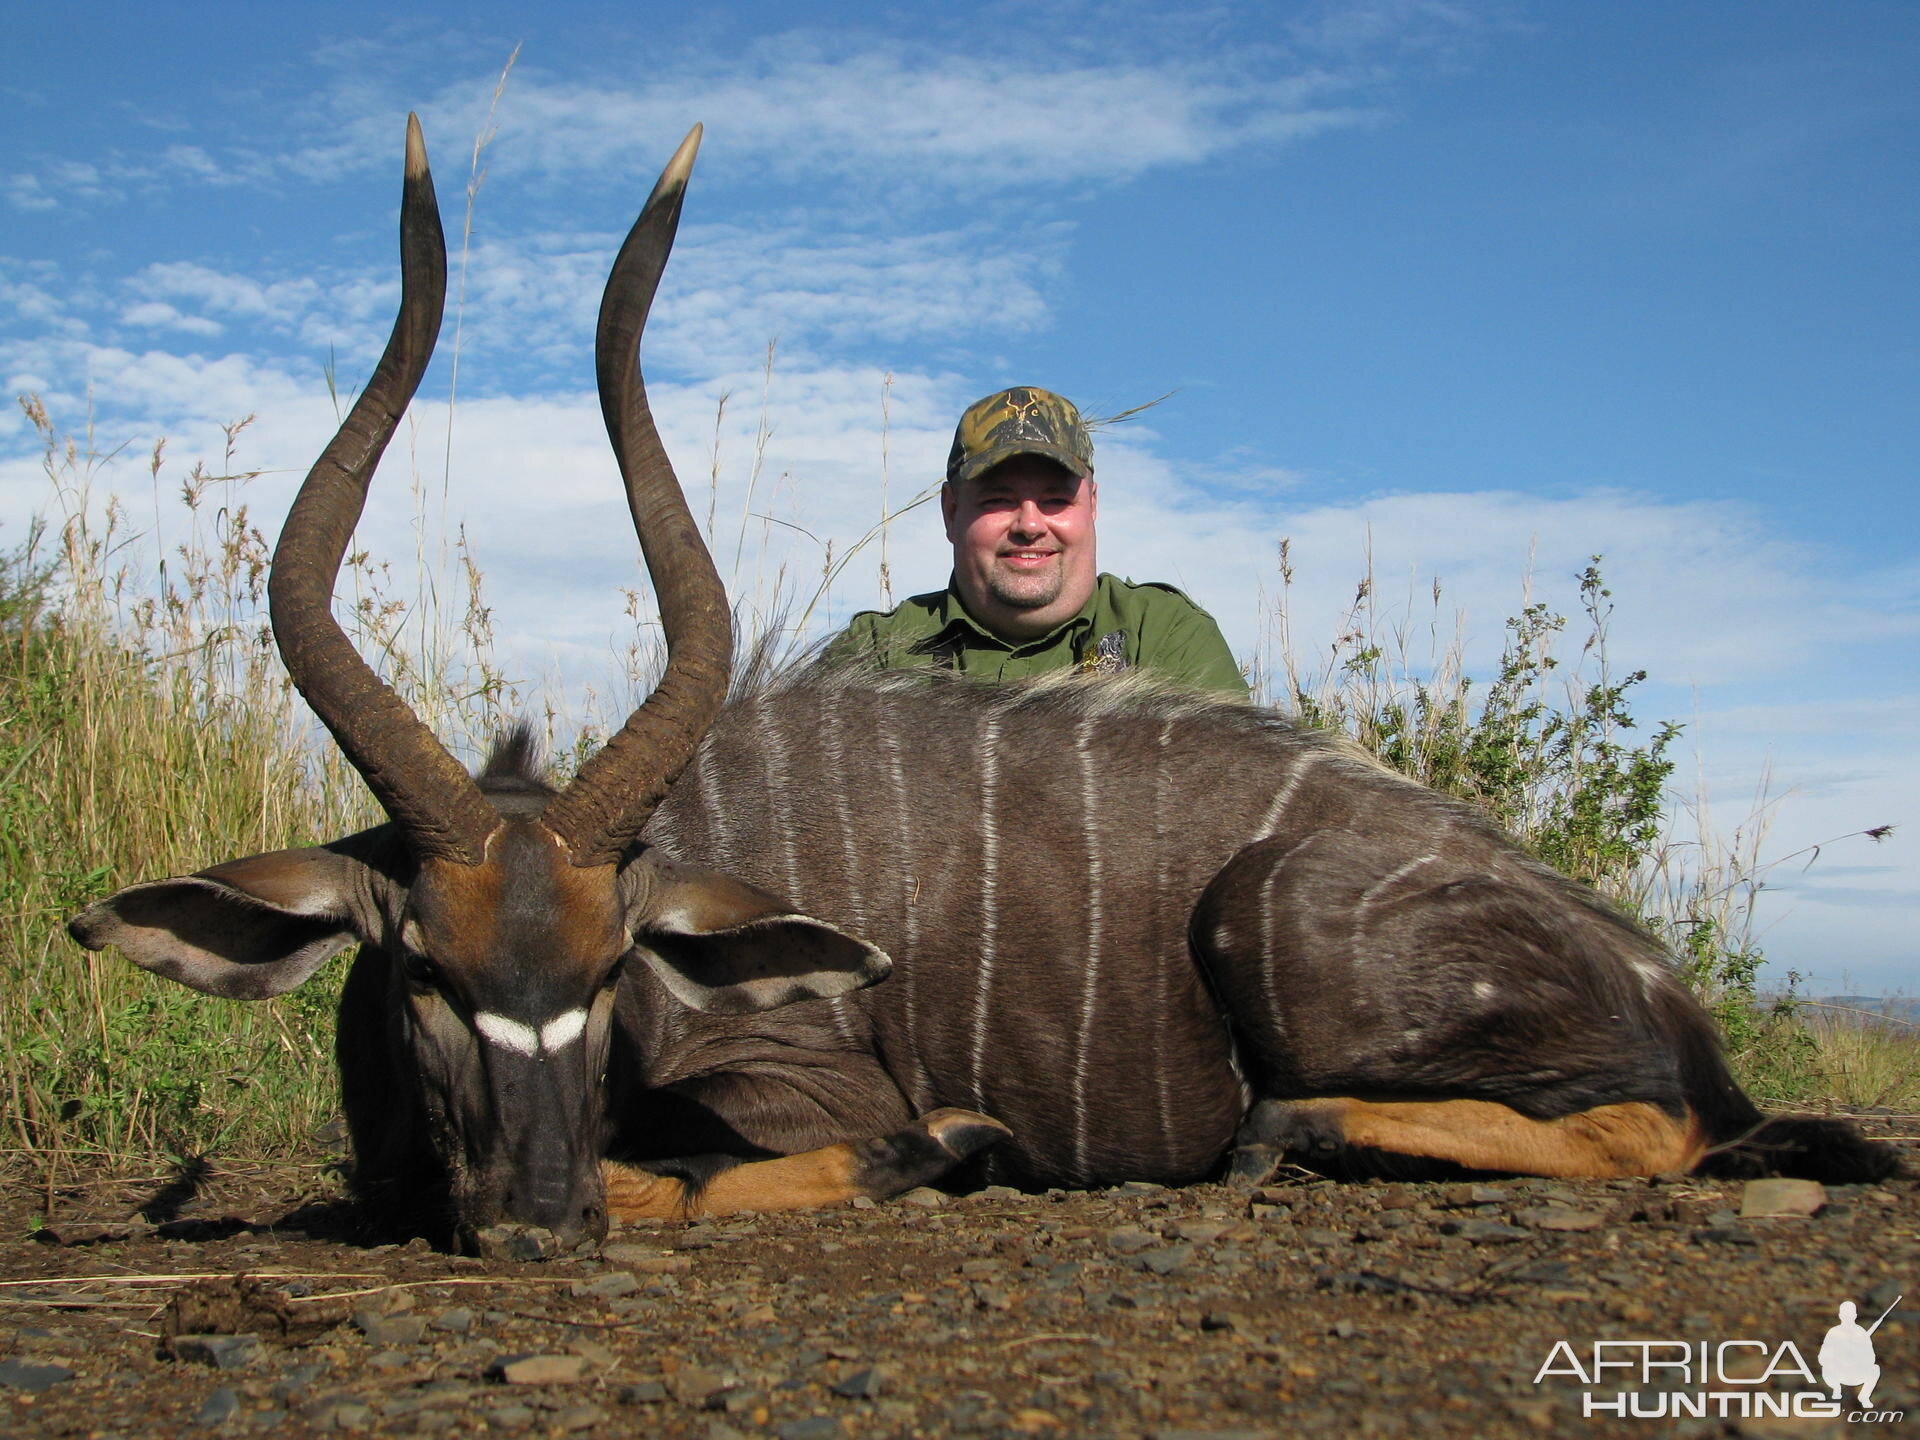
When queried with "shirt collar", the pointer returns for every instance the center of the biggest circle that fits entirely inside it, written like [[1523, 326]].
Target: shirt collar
[[955, 620]]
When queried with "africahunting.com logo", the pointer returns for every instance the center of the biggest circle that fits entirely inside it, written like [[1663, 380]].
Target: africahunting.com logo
[[1727, 1379]]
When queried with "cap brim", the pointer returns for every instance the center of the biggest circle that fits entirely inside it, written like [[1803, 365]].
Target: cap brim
[[987, 459]]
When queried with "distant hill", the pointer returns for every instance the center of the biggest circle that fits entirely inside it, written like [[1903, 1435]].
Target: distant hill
[[1896, 1007]]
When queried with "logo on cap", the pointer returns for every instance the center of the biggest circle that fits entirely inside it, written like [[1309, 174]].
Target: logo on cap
[[1020, 421]]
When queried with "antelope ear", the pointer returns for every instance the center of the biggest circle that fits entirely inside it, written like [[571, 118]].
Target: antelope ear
[[721, 945], [243, 930]]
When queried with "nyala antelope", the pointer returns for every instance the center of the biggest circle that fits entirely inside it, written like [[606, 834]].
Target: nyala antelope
[[1133, 934]]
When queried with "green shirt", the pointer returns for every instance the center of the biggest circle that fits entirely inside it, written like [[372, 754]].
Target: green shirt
[[1122, 626]]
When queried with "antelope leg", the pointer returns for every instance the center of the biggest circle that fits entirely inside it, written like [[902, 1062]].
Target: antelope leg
[[1347, 1136], [831, 1175]]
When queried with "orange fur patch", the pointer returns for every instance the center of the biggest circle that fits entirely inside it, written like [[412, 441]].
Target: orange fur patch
[[1606, 1142], [793, 1182]]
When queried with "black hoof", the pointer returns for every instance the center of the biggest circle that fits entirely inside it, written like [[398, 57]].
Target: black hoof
[[963, 1133], [924, 1151], [1250, 1166]]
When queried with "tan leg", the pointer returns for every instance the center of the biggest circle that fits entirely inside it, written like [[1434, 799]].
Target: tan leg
[[831, 1175], [1605, 1142]]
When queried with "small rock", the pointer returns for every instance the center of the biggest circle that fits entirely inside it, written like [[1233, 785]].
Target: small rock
[[1228, 1320], [1559, 1217], [1179, 1433], [1726, 1235], [91, 1232], [391, 1329], [698, 1387], [1465, 1197], [24, 1375], [339, 1410], [596, 1353], [295, 1380], [740, 1400], [660, 1264], [1769, 1198], [1483, 1232], [607, 1287], [812, 1427], [863, 1384], [579, 1417], [223, 1352], [1133, 1189], [217, 1408], [1129, 1240], [647, 1392], [516, 1242], [865, 1202], [1201, 1232], [387, 1302], [457, 1321], [925, 1196], [993, 1192], [538, 1369], [1165, 1260]]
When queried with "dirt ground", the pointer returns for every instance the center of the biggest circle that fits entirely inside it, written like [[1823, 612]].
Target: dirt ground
[[1307, 1307]]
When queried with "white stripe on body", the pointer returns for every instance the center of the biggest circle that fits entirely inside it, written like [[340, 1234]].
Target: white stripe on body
[[856, 914], [831, 732], [1162, 1082], [989, 879], [773, 746], [1270, 972], [1285, 798], [904, 870], [1083, 1045], [1373, 892], [708, 796]]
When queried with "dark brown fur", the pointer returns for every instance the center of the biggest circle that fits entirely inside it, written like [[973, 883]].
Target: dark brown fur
[[1099, 877]]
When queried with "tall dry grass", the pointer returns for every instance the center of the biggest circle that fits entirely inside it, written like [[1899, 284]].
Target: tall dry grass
[[147, 729]]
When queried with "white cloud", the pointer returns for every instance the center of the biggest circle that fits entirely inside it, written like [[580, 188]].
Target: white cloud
[[916, 121], [943, 122], [25, 192], [157, 315]]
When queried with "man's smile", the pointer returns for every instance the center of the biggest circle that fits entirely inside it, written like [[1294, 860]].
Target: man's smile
[[1027, 559]]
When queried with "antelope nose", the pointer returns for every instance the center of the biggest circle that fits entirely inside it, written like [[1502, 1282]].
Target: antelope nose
[[562, 1208]]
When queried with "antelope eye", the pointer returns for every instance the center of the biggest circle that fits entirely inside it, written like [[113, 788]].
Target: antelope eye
[[419, 969]]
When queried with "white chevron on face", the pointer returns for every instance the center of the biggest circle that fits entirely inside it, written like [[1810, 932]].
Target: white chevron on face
[[556, 1034]]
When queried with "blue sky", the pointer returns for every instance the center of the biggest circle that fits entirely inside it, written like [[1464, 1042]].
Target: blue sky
[[1471, 289]]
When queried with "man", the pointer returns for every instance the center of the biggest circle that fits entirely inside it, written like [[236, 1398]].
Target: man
[[1026, 596]]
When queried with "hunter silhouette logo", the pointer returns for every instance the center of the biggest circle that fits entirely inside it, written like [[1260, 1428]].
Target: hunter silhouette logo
[[1728, 1379], [1846, 1355]]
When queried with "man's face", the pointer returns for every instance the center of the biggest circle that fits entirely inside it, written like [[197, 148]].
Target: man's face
[[1022, 538]]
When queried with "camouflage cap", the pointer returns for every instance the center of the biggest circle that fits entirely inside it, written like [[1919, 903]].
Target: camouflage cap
[[1020, 421]]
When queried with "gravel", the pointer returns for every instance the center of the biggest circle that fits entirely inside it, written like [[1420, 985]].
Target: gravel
[[1305, 1307]]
